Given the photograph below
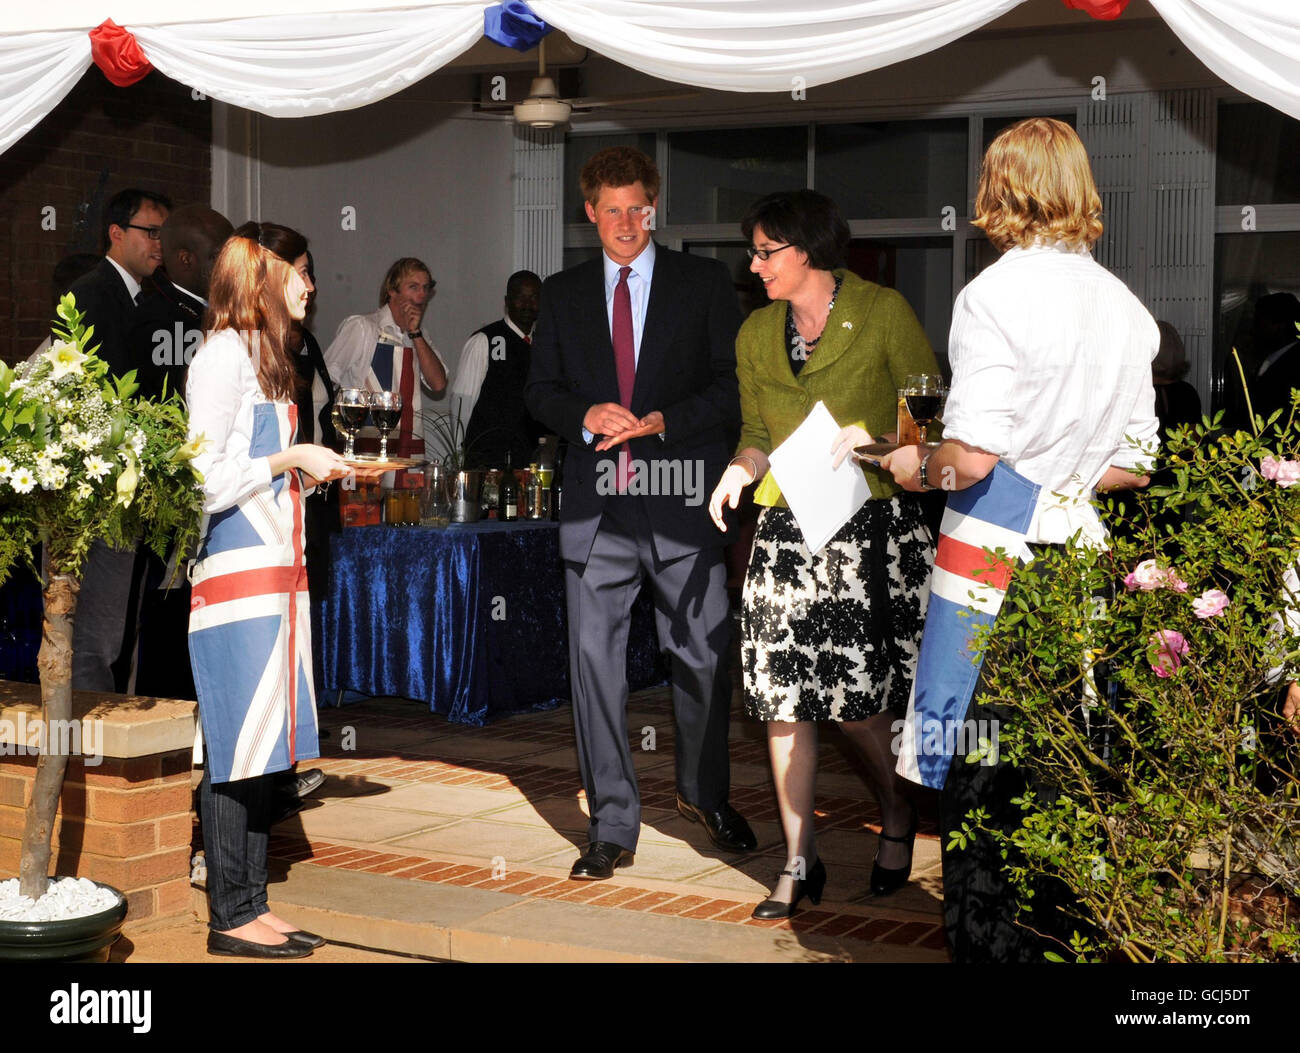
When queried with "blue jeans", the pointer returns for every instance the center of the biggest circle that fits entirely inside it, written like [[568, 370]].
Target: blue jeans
[[236, 818]]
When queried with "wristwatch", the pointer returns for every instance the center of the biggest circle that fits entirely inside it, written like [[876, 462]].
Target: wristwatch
[[415, 334], [920, 472]]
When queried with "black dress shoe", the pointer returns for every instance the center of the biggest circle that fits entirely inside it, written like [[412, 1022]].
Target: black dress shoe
[[231, 946], [811, 886], [309, 939], [309, 781], [726, 827], [885, 880], [600, 861]]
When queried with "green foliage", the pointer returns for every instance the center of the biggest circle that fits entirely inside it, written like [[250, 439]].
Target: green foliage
[[83, 458], [1167, 796]]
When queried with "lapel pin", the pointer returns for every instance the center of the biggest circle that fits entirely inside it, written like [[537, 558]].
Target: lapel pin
[[847, 325]]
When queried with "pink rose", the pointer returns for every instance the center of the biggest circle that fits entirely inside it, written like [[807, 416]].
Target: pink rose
[[1210, 603], [1284, 473], [1170, 649], [1147, 576], [1173, 581]]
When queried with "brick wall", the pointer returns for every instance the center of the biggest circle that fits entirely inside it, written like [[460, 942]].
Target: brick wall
[[126, 822], [98, 140]]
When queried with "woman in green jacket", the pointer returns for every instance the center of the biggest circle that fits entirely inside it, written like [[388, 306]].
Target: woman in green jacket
[[831, 636]]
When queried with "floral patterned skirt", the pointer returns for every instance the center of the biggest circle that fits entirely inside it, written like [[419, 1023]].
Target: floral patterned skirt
[[835, 636]]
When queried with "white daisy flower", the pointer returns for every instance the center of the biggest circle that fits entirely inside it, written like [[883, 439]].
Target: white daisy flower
[[63, 405], [54, 477], [96, 466], [6, 466], [137, 441], [22, 480], [54, 450], [84, 441], [83, 490]]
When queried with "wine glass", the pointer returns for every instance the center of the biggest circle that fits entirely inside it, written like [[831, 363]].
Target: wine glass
[[351, 406], [386, 410], [924, 393]]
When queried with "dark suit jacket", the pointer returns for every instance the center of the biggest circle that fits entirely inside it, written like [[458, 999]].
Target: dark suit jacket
[[1272, 390], [166, 330], [102, 297], [686, 369]]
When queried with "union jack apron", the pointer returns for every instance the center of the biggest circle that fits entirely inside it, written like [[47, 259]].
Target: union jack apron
[[966, 593], [250, 622]]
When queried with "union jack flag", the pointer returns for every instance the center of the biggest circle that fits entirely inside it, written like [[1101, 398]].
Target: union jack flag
[[250, 622], [967, 588]]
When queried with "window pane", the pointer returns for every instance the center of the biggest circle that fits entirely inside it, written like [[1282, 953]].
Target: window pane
[[893, 170], [749, 290], [920, 269], [578, 150], [1247, 267], [717, 175], [1258, 156], [994, 125]]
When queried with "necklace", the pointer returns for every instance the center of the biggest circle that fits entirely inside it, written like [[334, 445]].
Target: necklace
[[803, 348]]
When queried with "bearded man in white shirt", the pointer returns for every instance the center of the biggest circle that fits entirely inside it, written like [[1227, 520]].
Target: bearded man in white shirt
[[1051, 375], [388, 350]]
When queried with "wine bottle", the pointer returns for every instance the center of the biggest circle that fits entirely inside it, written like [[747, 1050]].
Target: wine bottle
[[509, 493]]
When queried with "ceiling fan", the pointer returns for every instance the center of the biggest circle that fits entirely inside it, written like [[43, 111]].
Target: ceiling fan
[[544, 108]]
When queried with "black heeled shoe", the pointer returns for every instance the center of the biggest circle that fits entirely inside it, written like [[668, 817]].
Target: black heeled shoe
[[885, 880], [811, 886]]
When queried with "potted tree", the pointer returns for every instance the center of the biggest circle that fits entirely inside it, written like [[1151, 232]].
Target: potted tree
[[1148, 701], [81, 458]]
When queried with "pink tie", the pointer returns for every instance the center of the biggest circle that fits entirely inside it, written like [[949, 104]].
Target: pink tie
[[625, 363]]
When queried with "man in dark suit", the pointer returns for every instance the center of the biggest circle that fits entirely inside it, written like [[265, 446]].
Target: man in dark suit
[[107, 295], [633, 362], [167, 326], [1277, 350]]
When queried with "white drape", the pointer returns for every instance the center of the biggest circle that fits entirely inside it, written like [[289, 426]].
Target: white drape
[[303, 57], [1254, 45]]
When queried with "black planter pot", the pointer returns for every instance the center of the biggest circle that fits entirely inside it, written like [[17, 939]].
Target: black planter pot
[[85, 939]]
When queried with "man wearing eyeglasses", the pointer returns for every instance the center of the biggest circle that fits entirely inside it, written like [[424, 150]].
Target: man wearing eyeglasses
[[133, 250], [105, 631]]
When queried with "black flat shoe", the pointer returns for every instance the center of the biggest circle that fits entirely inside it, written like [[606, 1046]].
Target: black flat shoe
[[309, 939], [811, 886], [726, 827], [233, 947], [885, 880], [600, 861]]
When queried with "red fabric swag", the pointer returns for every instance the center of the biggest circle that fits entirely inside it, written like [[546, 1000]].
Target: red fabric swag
[[1104, 9], [116, 52]]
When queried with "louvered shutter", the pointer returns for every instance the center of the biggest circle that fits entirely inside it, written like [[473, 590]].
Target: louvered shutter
[[538, 193]]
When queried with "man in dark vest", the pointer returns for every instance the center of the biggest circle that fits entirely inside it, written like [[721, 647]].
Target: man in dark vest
[[488, 391]]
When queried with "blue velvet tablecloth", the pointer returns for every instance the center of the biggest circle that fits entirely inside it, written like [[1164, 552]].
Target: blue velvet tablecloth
[[470, 619]]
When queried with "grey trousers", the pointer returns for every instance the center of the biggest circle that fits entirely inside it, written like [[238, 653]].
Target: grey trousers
[[692, 617], [103, 607]]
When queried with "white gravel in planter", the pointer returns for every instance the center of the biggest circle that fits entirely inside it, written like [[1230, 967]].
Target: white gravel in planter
[[65, 898]]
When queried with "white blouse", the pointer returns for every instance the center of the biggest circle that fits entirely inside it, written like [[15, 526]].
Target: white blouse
[[221, 390], [1051, 370]]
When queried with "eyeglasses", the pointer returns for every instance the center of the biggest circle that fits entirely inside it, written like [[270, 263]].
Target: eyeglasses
[[154, 232], [763, 254]]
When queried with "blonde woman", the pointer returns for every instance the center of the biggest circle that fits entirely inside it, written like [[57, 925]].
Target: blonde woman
[[1051, 375]]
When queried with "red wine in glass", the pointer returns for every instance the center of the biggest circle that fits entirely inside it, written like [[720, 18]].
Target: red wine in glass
[[924, 394]]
